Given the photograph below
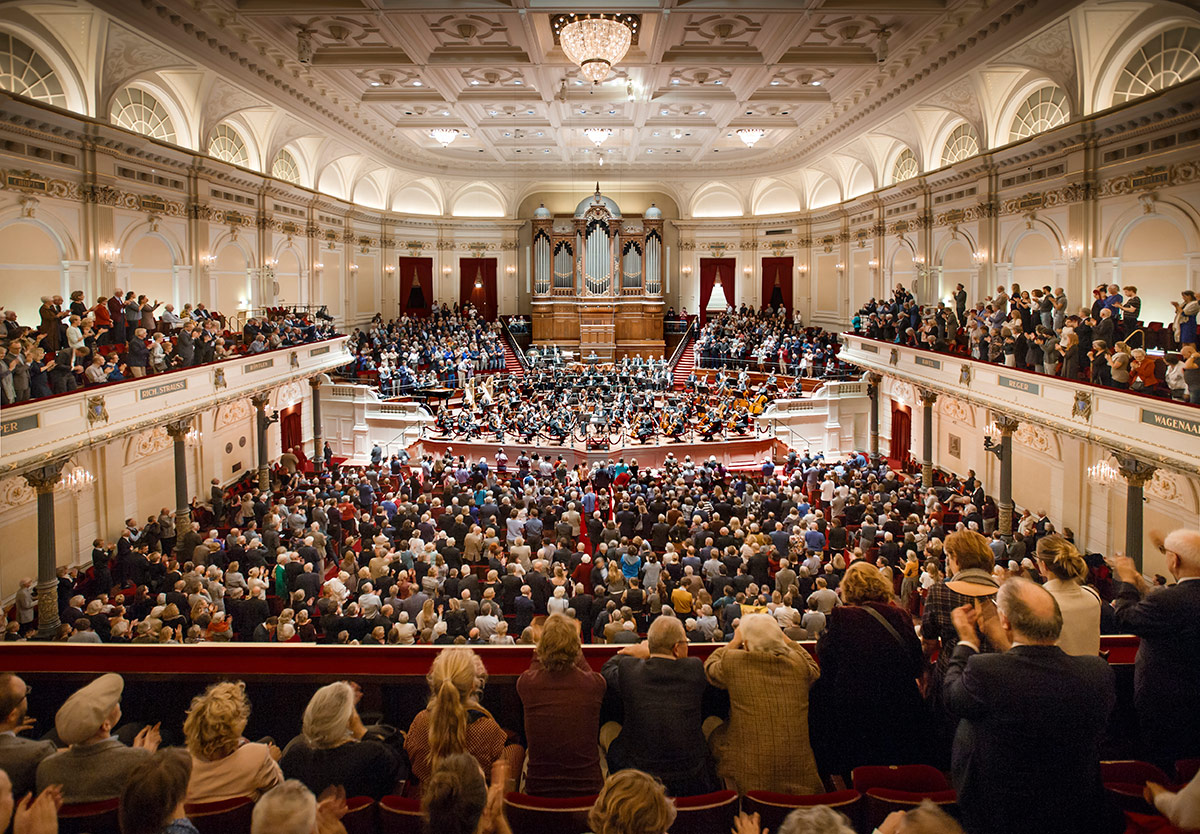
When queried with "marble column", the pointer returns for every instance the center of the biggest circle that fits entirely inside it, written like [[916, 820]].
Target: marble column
[[318, 458], [928, 398], [177, 430], [43, 480], [873, 384], [1136, 474], [1007, 426], [261, 422]]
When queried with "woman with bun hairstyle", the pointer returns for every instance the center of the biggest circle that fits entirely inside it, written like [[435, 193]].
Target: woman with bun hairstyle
[[1065, 572]]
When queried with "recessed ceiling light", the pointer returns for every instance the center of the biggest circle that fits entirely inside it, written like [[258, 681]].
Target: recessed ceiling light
[[718, 81], [491, 112], [578, 82], [587, 150], [663, 112], [774, 82], [674, 80], [474, 82], [376, 83], [612, 112], [656, 133], [445, 112], [816, 83], [417, 83], [507, 134], [649, 150], [529, 112], [728, 134], [702, 112], [582, 111], [545, 150], [518, 82], [541, 133]]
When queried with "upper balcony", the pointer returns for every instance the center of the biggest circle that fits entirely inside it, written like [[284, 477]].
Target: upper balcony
[[1157, 430], [52, 427]]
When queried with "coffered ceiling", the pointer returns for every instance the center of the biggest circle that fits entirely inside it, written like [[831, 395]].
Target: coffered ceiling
[[491, 68]]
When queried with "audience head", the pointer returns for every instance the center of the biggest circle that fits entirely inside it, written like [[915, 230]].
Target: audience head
[[154, 792], [559, 647], [666, 636], [1058, 559], [289, 808], [455, 796], [967, 550], [1028, 612], [92, 712], [761, 633], [329, 715], [819, 819], [215, 722], [864, 583], [632, 802], [456, 678], [1182, 549]]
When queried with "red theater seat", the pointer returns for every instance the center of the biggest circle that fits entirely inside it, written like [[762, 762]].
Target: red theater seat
[[773, 808], [400, 815], [229, 816], [89, 818], [547, 815], [706, 813]]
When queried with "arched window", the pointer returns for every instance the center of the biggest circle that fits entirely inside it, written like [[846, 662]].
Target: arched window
[[1044, 109], [1165, 60], [26, 73], [285, 168], [141, 112], [227, 144], [906, 166], [962, 143]]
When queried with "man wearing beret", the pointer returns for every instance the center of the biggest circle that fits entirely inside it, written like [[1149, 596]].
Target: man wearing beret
[[96, 764]]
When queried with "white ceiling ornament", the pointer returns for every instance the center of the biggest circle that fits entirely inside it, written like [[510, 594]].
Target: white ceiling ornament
[[598, 135], [444, 135], [595, 42], [751, 135]]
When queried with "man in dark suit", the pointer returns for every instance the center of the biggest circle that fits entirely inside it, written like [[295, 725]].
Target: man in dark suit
[[661, 690], [1167, 670], [19, 757], [1027, 751]]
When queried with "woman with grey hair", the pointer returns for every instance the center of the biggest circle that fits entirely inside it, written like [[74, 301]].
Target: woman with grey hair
[[334, 748]]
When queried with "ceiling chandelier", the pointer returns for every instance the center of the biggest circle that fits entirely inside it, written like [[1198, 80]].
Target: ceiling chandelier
[[598, 135], [444, 135], [595, 42], [750, 135]]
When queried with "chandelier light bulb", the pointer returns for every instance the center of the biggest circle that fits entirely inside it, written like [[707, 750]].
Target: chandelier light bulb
[[596, 43], [598, 135], [750, 135], [444, 135]]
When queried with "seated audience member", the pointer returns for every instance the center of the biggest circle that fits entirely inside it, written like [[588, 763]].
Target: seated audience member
[[29, 815], [457, 799], [926, 818], [632, 802], [19, 757], [1066, 573], [870, 661], [453, 721], [225, 765], [335, 748], [291, 808], [819, 819], [562, 698], [1027, 752], [153, 799], [1167, 672], [95, 765], [661, 690], [767, 676], [1182, 808]]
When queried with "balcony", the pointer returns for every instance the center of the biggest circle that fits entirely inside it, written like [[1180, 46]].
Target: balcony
[[1157, 430], [54, 427]]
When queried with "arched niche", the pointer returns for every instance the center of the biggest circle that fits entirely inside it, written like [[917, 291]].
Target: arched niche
[[477, 202], [151, 268], [414, 199], [1032, 257], [1153, 258], [231, 279], [31, 268], [825, 194], [777, 199], [717, 202], [957, 267], [287, 277]]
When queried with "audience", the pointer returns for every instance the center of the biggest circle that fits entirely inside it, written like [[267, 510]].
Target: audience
[[225, 765], [152, 801], [767, 340], [632, 802], [19, 757]]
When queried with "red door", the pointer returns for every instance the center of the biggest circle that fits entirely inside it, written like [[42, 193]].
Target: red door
[[901, 433], [290, 434]]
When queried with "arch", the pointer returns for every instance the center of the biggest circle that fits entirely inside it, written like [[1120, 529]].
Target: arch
[[151, 267], [64, 68], [901, 266], [776, 197], [51, 224], [289, 275], [902, 165], [825, 193], [144, 107], [955, 265], [232, 142], [1037, 227], [230, 274], [287, 166], [862, 181], [416, 198], [958, 140], [717, 200], [332, 183], [1160, 34], [1035, 108], [478, 199], [1153, 256], [1179, 214], [367, 193], [1033, 254], [33, 266]]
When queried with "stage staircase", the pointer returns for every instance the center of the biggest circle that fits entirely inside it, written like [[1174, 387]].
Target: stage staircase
[[512, 365], [683, 360]]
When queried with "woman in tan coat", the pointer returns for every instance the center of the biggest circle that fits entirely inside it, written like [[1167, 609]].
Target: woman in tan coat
[[764, 746]]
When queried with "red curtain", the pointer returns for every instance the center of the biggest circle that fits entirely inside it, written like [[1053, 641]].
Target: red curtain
[[483, 297], [708, 273], [419, 270], [781, 267], [901, 433], [290, 433]]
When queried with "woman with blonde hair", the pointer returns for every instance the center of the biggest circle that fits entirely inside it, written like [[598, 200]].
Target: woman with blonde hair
[[1066, 573], [632, 802], [454, 721], [767, 676], [224, 764], [870, 661]]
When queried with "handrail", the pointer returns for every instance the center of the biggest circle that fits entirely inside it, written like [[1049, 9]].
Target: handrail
[[688, 336], [512, 342]]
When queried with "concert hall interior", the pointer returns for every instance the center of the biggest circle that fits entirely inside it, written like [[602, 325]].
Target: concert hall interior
[[662, 416]]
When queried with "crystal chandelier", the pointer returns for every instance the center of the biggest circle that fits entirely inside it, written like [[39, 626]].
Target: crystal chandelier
[[444, 135], [750, 135], [598, 135], [595, 42], [1103, 473]]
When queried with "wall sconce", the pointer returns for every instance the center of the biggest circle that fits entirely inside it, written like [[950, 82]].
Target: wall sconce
[[840, 267], [354, 267], [979, 258], [919, 260], [270, 263], [510, 269], [206, 263], [318, 266], [802, 268], [747, 269], [446, 270], [873, 263], [1072, 252], [685, 269], [109, 255], [389, 269]]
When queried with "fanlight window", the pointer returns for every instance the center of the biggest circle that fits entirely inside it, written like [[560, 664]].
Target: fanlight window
[[961, 144], [906, 166], [1045, 109], [26, 73], [1169, 58], [227, 144], [285, 168], [137, 110]]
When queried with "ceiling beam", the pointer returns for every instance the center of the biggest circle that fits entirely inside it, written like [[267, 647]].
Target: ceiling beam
[[357, 56], [829, 56]]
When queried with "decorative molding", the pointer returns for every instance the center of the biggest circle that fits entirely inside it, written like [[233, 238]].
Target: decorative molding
[[1082, 406], [14, 492], [96, 412], [147, 443]]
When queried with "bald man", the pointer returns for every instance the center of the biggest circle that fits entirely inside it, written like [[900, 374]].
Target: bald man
[[1027, 750], [1167, 670]]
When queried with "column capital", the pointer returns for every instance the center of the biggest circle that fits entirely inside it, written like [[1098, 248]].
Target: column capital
[[1006, 424], [315, 381], [45, 478], [927, 397], [260, 401], [874, 378], [1135, 471], [178, 429]]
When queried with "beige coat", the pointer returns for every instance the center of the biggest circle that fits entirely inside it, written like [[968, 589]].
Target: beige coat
[[765, 746]]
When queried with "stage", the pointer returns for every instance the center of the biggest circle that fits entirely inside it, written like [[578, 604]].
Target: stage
[[743, 453]]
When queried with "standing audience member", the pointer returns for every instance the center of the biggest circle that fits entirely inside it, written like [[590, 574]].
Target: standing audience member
[[1066, 574]]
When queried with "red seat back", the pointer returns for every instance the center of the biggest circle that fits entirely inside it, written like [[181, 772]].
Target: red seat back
[[229, 816], [1186, 770], [361, 816], [548, 815], [400, 815], [705, 813], [773, 808], [89, 818], [913, 778], [882, 801]]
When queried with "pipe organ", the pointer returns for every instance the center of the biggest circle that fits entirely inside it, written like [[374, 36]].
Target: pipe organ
[[598, 280]]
